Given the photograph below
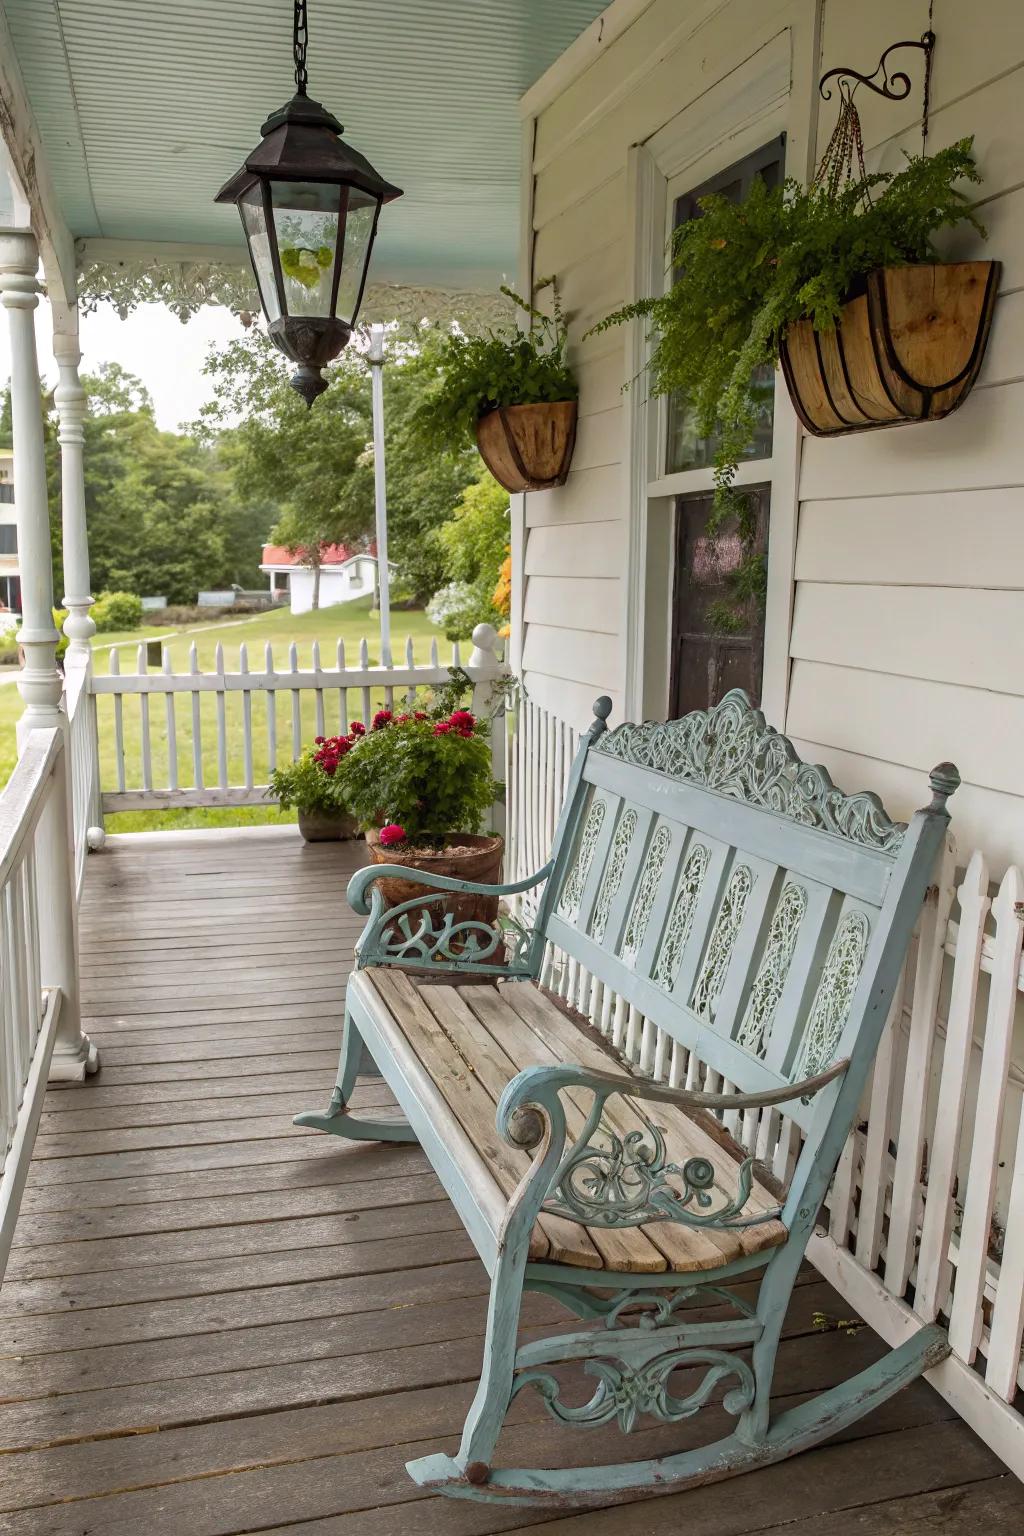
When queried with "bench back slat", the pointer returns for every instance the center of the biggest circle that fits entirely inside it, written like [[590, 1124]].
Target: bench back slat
[[731, 893]]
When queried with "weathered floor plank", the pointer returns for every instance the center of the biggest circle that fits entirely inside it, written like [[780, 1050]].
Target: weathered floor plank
[[298, 1317]]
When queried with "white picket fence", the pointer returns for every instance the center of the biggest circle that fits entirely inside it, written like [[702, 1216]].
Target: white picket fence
[[211, 738], [925, 1218], [33, 812]]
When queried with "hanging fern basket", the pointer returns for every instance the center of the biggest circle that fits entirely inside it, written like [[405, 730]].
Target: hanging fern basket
[[528, 447], [909, 349]]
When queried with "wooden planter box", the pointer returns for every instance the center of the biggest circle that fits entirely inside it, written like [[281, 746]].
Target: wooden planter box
[[909, 349], [528, 447]]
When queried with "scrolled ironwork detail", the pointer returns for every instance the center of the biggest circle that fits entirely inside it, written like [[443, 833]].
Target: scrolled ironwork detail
[[647, 889], [731, 750], [625, 1391], [607, 1180], [612, 879], [576, 880], [417, 933], [724, 934], [832, 1001], [773, 970]]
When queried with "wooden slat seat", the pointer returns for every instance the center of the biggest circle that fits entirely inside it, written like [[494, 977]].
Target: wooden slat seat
[[471, 1041]]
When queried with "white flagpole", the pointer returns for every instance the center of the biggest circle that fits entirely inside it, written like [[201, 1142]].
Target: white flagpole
[[375, 357]]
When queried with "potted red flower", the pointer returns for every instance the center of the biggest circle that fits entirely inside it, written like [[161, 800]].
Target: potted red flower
[[420, 785], [313, 786]]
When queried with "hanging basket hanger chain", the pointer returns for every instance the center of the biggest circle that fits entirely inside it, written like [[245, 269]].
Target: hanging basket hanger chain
[[844, 155], [300, 40]]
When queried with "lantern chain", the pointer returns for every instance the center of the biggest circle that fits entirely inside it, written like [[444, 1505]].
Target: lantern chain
[[300, 39]]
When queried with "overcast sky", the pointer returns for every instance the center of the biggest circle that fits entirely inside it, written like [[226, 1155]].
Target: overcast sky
[[152, 343]]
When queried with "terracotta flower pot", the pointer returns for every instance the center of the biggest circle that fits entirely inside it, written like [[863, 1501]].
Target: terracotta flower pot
[[528, 447], [908, 349], [326, 827], [465, 856]]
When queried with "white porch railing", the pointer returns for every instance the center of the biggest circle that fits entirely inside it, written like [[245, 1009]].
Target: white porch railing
[[919, 1222], [33, 824], [83, 751], [212, 738]]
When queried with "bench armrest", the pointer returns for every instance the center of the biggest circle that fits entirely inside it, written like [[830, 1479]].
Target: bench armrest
[[603, 1179], [360, 887]]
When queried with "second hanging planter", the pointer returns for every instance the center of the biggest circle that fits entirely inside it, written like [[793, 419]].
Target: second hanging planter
[[908, 349], [528, 447]]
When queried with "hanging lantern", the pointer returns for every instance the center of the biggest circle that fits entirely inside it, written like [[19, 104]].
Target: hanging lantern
[[309, 205]]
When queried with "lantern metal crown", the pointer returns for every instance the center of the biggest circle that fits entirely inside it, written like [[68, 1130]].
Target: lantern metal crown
[[309, 205]]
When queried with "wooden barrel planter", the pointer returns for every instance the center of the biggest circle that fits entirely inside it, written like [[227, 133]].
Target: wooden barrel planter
[[528, 447], [908, 349]]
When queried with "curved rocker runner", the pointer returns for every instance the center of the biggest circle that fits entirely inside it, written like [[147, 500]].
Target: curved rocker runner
[[733, 898]]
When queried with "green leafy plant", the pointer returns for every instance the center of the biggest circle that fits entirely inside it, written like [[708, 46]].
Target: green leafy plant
[[503, 366], [114, 611], [309, 784], [746, 271], [426, 773]]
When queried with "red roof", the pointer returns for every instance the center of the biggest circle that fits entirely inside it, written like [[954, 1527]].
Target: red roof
[[335, 554]]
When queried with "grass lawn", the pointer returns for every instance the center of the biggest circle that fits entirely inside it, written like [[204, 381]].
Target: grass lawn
[[278, 629]]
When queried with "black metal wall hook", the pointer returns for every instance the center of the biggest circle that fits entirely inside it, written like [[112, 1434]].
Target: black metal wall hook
[[894, 87]]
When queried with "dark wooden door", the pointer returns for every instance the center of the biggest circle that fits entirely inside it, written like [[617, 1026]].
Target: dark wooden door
[[709, 658]]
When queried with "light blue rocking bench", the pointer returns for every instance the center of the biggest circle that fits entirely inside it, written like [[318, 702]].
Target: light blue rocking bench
[[742, 904]]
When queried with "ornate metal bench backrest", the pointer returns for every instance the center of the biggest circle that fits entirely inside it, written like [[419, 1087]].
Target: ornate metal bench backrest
[[734, 897]]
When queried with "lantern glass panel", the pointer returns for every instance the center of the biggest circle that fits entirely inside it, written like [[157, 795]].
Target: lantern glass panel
[[359, 219], [306, 220], [254, 221]]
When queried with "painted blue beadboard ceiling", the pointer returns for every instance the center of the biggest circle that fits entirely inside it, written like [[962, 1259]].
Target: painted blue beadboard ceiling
[[145, 107]]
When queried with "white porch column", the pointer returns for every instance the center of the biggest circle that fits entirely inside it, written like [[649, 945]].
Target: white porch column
[[69, 398], [40, 682]]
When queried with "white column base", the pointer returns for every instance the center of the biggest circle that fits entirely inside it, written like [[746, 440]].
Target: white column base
[[74, 1066]]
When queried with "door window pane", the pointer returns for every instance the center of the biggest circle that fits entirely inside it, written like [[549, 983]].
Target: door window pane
[[707, 658]]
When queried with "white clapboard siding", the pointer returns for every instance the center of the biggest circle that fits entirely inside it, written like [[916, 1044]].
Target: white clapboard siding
[[599, 438], [1002, 214], [961, 539], [587, 657], [682, 73], [979, 446], [904, 720], [567, 549], [590, 498], [585, 603], [942, 634], [599, 374], [583, 226], [933, 1172]]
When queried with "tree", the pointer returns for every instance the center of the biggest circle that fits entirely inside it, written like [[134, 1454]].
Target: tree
[[316, 465], [473, 545]]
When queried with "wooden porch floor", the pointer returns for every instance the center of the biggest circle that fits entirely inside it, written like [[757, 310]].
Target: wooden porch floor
[[214, 1323]]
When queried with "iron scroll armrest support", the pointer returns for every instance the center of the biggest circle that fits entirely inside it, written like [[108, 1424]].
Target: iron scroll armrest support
[[604, 1179], [420, 934]]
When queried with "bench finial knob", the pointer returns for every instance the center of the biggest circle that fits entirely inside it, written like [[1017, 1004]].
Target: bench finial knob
[[945, 781], [602, 709]]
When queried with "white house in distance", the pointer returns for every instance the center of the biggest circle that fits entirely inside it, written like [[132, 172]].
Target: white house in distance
[[344, 576], [10, 573]]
